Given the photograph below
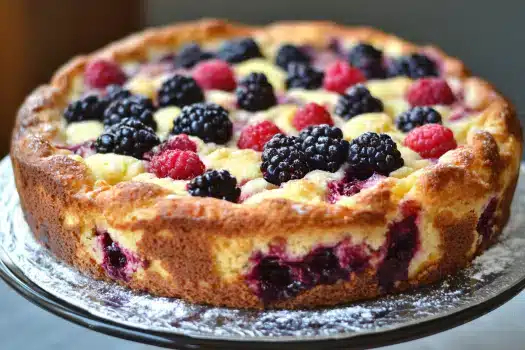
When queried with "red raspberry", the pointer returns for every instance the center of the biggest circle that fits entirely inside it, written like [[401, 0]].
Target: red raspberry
[[181, 142], [339, 76], [101, 73], [311, 114], [179, 165], [431, 140], [255, 136], [214, 74], [430, 91]]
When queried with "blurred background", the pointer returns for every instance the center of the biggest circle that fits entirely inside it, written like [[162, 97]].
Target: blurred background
[[38, 36]]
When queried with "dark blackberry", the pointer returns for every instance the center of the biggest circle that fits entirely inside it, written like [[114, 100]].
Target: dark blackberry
[[414, 66], [179, 91], [136, 107], [238, 50], [372, 153], [368, 59], [357, 100], [324, 147], [116, 92], [190, 55], [90, 107], [303, 76], [207, 121], [130, 137], [288, 53], [417, 116], [255, 93], [283, 159], [217, 184]]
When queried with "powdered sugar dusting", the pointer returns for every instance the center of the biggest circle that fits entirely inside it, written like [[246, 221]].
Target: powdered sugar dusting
[[498, 269]]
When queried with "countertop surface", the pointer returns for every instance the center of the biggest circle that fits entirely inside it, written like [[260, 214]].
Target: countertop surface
[[26, 326]]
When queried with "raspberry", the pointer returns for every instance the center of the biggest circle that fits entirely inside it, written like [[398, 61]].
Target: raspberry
[[255, 136], [414, 66], [340, 75], [179, 91], [357, 100], [255, 93], [179, 165], [303, 76], [431, 140], [181, 142], [372, 153], [238, 50], [368, 59], [208, 121], [190, 55], [214, 75], [283, 160], [217, 184], [101, 73], [90, 107], [311, 114], [288, 53], [417, 116], [430, 91], [324, 147]]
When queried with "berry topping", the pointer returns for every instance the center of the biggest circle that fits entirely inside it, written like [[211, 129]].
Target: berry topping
[[368, 59], [283, 160], [179, 165], [238, 50], [135, 107], [179, 91], [414, 66], [116, 92], [340, 75], [357, 100], [288, 53], [180, 142], [255, 136], [87, 108], [324, 147], [207, 121], [217, 184], [130, 137], [417, 116], [430, 91], [214, 75], [303, 76], [431, 140], [311, 114], [373, 153], [101, 73], [190, 55], [255, 93]]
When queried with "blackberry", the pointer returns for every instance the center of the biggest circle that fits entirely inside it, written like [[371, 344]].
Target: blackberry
[[372, 153], [116, 92], [368, 59], [255, 93], [324, 147], [207, 121], [136, 107], [130, 137], [303, 76], [288, 53], [217, 184], [179, 91], [414, 66], [190, 55], [283, 159], [417, 116], [238, 50], [357, 100], [90, 107]]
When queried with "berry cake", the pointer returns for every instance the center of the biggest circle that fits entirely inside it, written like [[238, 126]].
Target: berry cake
[[291, 166]]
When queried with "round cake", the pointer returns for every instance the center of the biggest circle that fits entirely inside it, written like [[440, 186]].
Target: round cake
[[297, 165]]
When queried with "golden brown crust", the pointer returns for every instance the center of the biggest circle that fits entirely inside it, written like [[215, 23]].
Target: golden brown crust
[[183, 236]]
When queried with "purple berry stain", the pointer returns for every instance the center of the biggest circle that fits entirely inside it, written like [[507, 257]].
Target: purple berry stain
[[349, 186], [402, 244], [485, 226], [277, 276], [119, 263]]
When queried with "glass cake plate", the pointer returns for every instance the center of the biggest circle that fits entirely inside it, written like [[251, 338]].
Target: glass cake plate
[[494, 278]]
